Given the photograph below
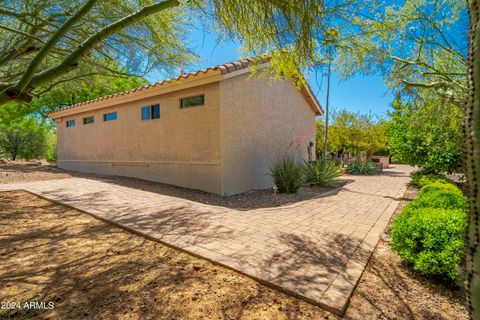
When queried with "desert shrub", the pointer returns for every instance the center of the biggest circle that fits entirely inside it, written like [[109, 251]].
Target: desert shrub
[[362, 167], [441, 198], [287, 174], [422, 178], [322, 172], [437, 186], [51, 152], [51, 155], [431, 240]]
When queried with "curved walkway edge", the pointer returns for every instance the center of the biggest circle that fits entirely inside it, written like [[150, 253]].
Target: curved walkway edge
[[315, 250]]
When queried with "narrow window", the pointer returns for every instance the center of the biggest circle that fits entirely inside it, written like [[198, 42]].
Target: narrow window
[[70, 123], [155, 111], [146, 113], [192, 101], [88, 120], [110, 116], [151, 112]]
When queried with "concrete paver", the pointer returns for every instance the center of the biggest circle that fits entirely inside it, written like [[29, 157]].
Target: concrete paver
[[315, 249]]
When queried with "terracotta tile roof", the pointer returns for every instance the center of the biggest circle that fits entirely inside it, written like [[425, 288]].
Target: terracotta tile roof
[[223, 68]]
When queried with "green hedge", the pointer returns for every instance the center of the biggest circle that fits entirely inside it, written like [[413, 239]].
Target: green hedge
[[429, 232], [440, 186], [422, 178], [440, 195]]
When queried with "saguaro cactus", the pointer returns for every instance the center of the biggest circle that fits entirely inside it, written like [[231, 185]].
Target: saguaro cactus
[[472, 163]]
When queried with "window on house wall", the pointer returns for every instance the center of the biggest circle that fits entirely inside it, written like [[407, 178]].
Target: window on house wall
[[155, 111], [151, 112], [110, 116], [70, 123], [192, 101], [88, 120]]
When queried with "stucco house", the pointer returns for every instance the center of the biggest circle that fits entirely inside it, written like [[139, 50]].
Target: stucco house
[[216, 130]]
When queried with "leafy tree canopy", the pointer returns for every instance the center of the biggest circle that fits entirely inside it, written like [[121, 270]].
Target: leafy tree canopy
[[353, 133], [66, 93], [416, 44], [44, 43], [427, 134]]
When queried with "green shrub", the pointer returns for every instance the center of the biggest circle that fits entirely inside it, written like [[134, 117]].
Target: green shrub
[[440, 195], [51, 155], [422, 178], [431, 240], [362, 167], [51, 152], [322, 172], [444, 199], [287, 174], [440, 186]]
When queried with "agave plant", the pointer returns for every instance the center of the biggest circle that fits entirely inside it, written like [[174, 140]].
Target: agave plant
[[363, 168], [322, 173], [287, 174]]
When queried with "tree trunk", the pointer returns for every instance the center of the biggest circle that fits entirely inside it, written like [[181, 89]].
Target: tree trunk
[[472, 163]]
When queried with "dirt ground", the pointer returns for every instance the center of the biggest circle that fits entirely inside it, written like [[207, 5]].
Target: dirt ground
[[91, 270]]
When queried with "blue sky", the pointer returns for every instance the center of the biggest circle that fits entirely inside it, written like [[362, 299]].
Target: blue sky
[[365, 94]]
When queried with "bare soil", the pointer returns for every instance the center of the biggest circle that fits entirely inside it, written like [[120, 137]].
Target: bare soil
[[18, 172], [92, 270]]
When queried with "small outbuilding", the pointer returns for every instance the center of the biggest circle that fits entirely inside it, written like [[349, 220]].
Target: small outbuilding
[[216, 130]]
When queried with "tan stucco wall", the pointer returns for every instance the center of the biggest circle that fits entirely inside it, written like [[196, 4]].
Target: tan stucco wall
[[180, 148], [259, 121]]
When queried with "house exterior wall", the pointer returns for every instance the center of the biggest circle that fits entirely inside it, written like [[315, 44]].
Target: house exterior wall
[[181, 148], [260, 120]]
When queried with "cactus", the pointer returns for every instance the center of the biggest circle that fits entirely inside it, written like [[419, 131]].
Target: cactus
[[472, 163]]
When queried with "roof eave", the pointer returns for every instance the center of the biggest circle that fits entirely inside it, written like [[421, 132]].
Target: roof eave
[[136, 94]]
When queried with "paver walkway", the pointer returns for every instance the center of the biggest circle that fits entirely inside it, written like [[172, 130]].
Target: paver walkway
[[314, 249]]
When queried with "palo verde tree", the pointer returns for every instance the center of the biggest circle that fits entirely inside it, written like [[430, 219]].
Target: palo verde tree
[[418, 45], [44, 43]]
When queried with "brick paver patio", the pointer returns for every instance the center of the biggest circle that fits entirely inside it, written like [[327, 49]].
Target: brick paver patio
[[314, 249]]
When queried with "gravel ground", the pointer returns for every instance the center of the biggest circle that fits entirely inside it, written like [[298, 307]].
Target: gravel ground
[[14, 172], [91, 270]]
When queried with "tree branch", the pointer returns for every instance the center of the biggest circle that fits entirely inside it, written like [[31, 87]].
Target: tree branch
[[72, 60], [436, 84], [27, 76], [10, 91], [23, 33]]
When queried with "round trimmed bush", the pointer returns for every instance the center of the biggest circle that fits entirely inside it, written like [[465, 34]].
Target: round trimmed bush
[[440, 186], [436, 197], [421, 179], [431, 240]]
